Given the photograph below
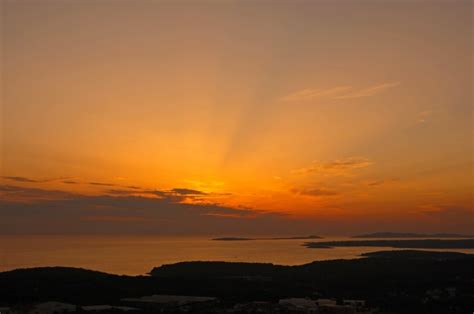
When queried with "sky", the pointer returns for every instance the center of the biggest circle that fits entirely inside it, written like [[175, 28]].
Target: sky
[[242, 117]]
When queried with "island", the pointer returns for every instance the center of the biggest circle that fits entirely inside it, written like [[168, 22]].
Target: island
[[309, 237], [232, 239], [411, 235], [297, 238], [408, 244], [414, 254]]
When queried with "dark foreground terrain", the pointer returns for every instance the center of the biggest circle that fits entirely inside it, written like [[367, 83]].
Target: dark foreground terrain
[[388, 282]]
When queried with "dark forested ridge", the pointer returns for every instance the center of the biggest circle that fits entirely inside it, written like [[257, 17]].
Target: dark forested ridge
[[394, 281]]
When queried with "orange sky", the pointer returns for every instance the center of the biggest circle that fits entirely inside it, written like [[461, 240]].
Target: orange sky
[[286, 117]]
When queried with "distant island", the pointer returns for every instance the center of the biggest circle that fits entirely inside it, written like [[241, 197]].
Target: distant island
[[232, 239], [413, 254], [411, 235], [408, 244], [275, 238], [298, 238]]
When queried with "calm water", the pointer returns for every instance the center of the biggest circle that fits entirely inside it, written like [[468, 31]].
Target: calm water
[[135, 255]]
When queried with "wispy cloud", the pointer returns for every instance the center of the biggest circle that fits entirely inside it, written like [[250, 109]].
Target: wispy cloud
[[339, 92], [317, 192], [30, 180], [183, 191], [19, 193], [20, 179], [308, 94], [107, 184], [115, 219], [174, 195], [70, 182], [449, 216], [239, 215], [370, 91], [103, 184], [177, 194], [336, 167], [376, 183], [447, 210], [382, 181], [63, 212]]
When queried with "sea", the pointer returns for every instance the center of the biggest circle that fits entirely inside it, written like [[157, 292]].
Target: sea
[[137, 255]]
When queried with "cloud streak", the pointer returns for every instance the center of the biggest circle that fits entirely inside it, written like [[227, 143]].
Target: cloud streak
[[103, 184], [17, 193], [70, 181], [30, 180], [62, 212], [183, 191], [336, 167], [339, 92], [317, 192]]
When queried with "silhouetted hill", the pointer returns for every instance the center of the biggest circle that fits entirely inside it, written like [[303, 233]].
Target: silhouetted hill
[[409, 244], [411, 235], [247, 270], [75, 285], [398, 283], [216, 269]]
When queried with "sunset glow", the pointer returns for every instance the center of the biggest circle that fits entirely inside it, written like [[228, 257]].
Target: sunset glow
[[218, 117]]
